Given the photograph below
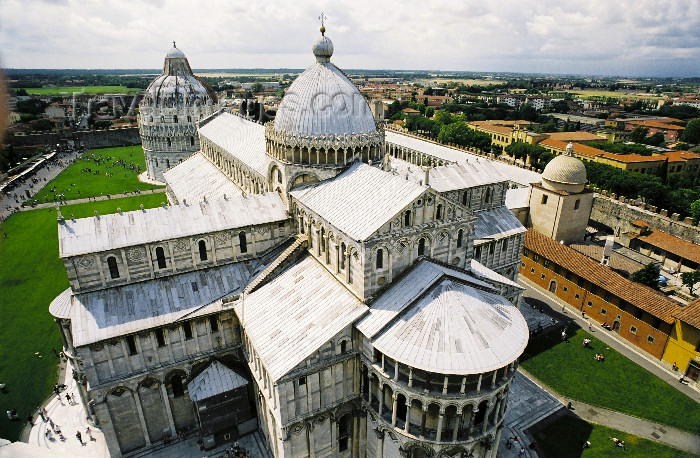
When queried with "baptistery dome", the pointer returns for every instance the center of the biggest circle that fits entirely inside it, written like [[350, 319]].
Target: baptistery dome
[[177, 86], [168, 114], [565, 172]]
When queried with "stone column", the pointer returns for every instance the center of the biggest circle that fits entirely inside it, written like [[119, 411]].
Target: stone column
[[486, 419], [474, 410], [458, 422], [142, 419], [463, 388], [381, 399], [441, 419], [168, 411], [478, 384], [444, 386], [393, 409], [422, 422], [410, 377], [408, 416], [493, 379]]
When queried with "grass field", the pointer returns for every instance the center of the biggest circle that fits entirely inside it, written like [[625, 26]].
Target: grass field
[[31, 275], [563, 438], [62, 90], [89, 184], [619, 95], [617, 384]]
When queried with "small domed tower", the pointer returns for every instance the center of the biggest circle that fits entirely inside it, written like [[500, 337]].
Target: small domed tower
[[560, 205], [323, 124], [168, 114]]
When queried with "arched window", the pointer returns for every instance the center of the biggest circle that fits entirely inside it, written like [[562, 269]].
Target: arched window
[[464, 198], [380, 258], [243, 242], [175, 119], [202, 250], [343, 346], [459, 238], [407, 218], [344, 433], [113, 268], [189, 118], [342, 255], [160, 257], [162, 119], [151, 119], [438, 212], [191, 141], [322, 240], [279, 176], [487, 196], [169, 142], [156, 162], [178, 388], [301, 224], [421, 247], [167, 163]]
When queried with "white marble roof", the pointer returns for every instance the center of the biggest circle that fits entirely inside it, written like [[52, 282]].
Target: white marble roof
[[106, 232], [496, 223], [360, 200], [196, 178], [215, 379], [323, 101], [113, 312], [296, 313], [463, 175], [434, 321], [512, 173], [481, 271], [518, 198], [60, 306], [243, 139]]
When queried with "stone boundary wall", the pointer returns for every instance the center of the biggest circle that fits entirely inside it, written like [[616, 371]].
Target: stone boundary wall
[[90, 138], [618, 212]]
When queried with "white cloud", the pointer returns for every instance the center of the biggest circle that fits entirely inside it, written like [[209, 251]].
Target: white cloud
[[644, 37]]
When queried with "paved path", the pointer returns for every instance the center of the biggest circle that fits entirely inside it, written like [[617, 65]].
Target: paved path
[[627, 423], [100, 198], [560, 309]]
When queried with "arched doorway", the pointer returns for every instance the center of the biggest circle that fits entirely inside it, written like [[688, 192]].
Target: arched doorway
[[616, 326], [552, 286]]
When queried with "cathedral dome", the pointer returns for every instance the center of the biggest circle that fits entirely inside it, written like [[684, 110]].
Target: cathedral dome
[[565, 172], [177, 86], [323, 101]]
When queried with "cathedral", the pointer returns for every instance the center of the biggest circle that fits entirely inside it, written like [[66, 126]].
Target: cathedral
[[340, 290]]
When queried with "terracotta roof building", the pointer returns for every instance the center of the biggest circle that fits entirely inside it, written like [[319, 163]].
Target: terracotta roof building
[[639, 314], [675, 254]]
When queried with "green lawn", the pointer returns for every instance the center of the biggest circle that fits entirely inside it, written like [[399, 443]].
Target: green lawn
[[563, 438], [31, 275], [113, 176], [617, 384], [59, 90]]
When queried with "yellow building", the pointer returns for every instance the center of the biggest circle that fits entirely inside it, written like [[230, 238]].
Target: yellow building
[[504, 133], [683, 347]]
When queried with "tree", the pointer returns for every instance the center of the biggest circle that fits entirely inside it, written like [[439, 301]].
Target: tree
[[691, 134], [647, 275], [257, 87], [695, 210], [690, 279], [639, 134]]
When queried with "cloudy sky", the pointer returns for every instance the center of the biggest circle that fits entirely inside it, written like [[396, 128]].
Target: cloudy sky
[[599, 37]]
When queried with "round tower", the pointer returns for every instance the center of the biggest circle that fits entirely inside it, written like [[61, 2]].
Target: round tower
[[168, 114]]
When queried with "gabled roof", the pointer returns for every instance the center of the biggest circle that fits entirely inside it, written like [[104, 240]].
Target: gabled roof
[[113, 312], [441, 320], [243, 139], [672, 244], [689, 313], [636, 294], [296, 313], [360, 200], [107, 232], [196, 178], [463, 175], [215, 379], [496, 223]]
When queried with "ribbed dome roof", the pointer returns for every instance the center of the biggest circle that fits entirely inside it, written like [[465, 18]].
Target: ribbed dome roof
[[566, 170], [177, 86], [323, 101]]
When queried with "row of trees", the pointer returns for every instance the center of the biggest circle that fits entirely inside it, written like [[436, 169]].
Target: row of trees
[[538, 155]]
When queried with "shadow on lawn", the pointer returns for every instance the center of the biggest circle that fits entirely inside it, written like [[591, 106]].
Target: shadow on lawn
[[562, 436], [547, 339]]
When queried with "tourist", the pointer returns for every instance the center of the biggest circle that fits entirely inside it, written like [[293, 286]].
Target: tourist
[[79, 437], [674, 368], [2, 387], [89, 433], [522, 451], [30, 420], [41, 414], [48, 434], [682, 379], [68, 397], [563, 336]]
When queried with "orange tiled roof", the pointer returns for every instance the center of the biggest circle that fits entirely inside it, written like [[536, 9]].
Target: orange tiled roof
[[672, 244], [678, 156], [640, 223], [575, 136], [589, 151], [690, 313], [657, 124], [636, 294]]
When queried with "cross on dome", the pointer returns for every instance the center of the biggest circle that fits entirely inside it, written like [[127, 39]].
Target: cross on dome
[[323, 18]]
